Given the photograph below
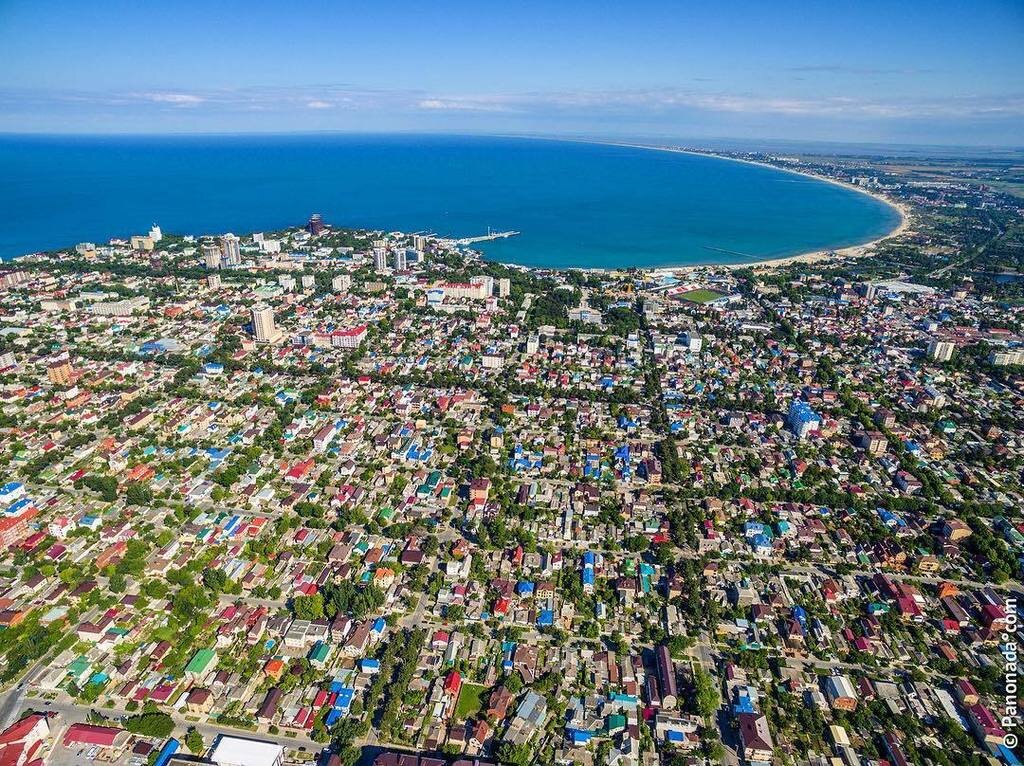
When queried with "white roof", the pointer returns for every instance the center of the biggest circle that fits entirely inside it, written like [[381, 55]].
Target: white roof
[[236, 751]]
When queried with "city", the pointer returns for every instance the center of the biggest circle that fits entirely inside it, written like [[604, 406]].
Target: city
[[330, 495]]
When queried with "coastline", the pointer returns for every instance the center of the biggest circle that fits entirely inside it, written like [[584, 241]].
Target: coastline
[[814, 256]]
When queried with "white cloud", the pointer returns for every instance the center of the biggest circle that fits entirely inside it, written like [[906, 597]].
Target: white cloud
[[469, 104], [315, 104], [177, 99]]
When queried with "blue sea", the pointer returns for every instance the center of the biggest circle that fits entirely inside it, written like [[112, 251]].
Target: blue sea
[[577, 204]]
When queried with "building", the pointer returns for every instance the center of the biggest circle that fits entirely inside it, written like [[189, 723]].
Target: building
[[88, 735], [155, 234], [213, 281], [399, 261], [840, 693], [122, 308], [341, 283], [264, 330], [1006, 357], [873, 442], [59, 373], [239, 751], [802, 419], [231, 250], [666, 677], [504, 287], [380, 256], [940, 350], [211, 256], [755, 737], [315, 224], [350, 338], [692, 342], [21, 742], [308, 282]]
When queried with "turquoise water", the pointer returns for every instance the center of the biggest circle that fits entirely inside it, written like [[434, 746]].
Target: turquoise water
[[576, 204]]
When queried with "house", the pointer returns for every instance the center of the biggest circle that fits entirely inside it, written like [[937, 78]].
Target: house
[[840, 693], [199, 701], [755, 738], [22, 742], [89, 735]]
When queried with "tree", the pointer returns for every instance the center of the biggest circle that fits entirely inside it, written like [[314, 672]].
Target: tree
[[137, 494], [308, 607], [516, 755], [150, 724], [194, 741], [190, 602], [215, 579], [705, 692]]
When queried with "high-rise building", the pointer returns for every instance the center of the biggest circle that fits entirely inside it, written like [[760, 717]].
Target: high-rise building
[[155, 234], [59, 372], [287, 282], [315, 225], [213, 281], [802, 419], [940, 350], [308, 281], [504, 287], [398, 260], [380, 258], [264, 330], [419, 242], [211, 256], [231, 250], [341, 283]]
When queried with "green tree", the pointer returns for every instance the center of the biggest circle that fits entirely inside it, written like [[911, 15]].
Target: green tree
[[194, 741], [516, 755], [150, 724], [308, 607]]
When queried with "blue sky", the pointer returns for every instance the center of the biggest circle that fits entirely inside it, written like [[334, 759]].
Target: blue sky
[[933, 72]]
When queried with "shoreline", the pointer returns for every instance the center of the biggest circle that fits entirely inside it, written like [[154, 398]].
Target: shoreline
[[813, 256]]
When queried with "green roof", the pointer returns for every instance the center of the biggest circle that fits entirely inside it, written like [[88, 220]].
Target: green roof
[[200, 661]]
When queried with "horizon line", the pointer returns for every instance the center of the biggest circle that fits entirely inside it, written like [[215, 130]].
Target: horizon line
[[498, 134]]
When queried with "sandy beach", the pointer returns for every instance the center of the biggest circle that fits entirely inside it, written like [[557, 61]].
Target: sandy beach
[[816, 256]]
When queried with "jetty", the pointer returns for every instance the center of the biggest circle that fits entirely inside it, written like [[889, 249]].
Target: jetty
[[486, 237]]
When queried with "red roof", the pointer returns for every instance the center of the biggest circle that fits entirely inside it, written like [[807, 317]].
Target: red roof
[[88, 734], [453, 683]]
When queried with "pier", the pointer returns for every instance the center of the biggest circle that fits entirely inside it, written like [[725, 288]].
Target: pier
[[490, 235]]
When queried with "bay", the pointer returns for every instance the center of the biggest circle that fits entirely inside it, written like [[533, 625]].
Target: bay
[[576, 204]]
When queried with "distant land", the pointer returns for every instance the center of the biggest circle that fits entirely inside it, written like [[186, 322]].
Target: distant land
[[576, 204]]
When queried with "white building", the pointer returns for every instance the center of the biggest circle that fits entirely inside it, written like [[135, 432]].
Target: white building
[[239, 751], [940, 350], [264, 330], [231, 250]]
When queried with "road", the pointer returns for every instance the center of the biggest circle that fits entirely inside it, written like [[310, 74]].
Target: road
[[75, 712]]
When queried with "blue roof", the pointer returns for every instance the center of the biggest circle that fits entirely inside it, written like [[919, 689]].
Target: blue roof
[[1007, 756], [579, 736], [547, 617], [743, 705]]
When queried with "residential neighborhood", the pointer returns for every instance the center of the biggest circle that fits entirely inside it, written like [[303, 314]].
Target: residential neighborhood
[[326, 495]]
